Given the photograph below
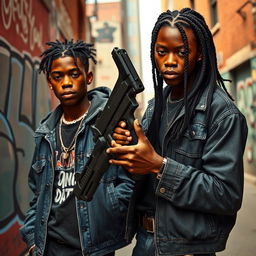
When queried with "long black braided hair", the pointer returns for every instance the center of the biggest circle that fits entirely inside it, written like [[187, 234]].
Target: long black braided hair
[[78, 49], [207, 73]]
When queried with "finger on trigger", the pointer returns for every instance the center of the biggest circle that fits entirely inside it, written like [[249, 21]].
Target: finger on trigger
[[123, 124], [127, 133]]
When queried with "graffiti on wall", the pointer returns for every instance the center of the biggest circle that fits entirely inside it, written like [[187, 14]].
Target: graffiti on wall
[[246, 95], [18, 19], [24, 100]]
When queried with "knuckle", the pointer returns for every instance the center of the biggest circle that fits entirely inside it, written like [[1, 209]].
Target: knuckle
[[117, 130], [130, 157], [123, 124]]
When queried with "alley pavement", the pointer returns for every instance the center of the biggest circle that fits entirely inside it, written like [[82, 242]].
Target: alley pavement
[[242, 240]]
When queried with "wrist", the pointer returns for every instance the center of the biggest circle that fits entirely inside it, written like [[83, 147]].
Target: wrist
[[163, 165], [159, 174]]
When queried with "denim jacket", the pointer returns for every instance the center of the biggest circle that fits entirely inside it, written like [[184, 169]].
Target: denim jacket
[[201, 186], [101, 222]]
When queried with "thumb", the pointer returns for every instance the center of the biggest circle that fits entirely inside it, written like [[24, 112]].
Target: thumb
[[137, 128], [114, 144]]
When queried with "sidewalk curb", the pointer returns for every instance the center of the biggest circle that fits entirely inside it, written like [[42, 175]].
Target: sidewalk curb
[[250, 178]]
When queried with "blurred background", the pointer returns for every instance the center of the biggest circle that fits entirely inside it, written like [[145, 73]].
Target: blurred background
[[26, 25]]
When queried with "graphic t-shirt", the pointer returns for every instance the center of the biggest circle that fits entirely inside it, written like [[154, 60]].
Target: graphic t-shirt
[[62, 224]]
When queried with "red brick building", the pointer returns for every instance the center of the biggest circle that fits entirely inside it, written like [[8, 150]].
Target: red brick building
[[233, 27], [106, 11]]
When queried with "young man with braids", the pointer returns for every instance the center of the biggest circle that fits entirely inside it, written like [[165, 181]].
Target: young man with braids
[[191, 158], [57, 223]]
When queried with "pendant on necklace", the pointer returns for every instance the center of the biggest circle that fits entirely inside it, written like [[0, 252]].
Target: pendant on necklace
[[65, 155]]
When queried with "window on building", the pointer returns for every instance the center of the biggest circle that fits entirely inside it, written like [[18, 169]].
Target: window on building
[[214, 13]]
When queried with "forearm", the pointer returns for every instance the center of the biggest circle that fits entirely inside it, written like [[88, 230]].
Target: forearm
[[217, 185], [27, 229], [190, 188]]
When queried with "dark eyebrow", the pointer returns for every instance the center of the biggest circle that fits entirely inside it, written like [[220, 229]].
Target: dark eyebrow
[[60, 72], [74, 69], [165, 47], [56, 72], [162, 46]]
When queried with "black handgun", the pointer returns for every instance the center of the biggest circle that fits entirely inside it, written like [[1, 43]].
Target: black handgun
[[121, 105]]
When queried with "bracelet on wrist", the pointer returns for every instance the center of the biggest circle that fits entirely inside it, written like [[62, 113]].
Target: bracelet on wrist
[[159, 175], [163, 165]]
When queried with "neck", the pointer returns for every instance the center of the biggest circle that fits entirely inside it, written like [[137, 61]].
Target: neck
[[177, 92], [72, 113]]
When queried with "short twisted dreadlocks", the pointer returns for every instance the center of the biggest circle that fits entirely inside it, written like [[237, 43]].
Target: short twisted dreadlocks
[[207, 73], [58, 49]]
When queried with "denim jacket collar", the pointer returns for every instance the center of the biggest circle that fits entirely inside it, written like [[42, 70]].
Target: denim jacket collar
[[201, 105], [98, 98]]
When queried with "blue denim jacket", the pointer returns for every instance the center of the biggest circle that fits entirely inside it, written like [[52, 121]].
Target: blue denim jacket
[[201, 187], [102, 222]]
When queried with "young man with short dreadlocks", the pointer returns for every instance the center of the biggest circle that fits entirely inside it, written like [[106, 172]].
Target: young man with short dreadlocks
[[191, 158], [57, 223]]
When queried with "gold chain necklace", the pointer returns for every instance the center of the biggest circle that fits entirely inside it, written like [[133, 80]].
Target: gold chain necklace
[[67, 150], [74, 121]]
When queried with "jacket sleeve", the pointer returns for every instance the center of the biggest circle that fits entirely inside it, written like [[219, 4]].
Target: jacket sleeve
[[218, 186], [27, 230], [124, 188]]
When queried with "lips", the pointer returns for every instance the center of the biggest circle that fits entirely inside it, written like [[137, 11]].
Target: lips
[[170, 74], [67, 94]]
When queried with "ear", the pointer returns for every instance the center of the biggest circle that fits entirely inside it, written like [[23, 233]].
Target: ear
[[49, 83], [89, 77]]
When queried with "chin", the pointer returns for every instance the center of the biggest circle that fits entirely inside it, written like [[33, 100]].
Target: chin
[[173, 84], [68, 103]]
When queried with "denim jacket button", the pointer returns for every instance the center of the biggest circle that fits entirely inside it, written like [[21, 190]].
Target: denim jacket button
[[193, 133], [162, 190], [84, 228]]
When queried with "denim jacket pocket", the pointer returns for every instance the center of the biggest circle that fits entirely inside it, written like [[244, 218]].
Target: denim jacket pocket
[[196, 131], [113, 197], [189, 148], [38, 167]]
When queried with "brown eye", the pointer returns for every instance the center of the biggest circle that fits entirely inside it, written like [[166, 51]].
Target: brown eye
[[75, 75], [181, 53], [161, 52], [56, 77]]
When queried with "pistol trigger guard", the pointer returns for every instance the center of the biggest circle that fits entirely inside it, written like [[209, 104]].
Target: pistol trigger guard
[[109, 140]]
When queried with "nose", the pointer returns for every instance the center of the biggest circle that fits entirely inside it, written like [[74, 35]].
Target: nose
[[171, 60], [67, 82]]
